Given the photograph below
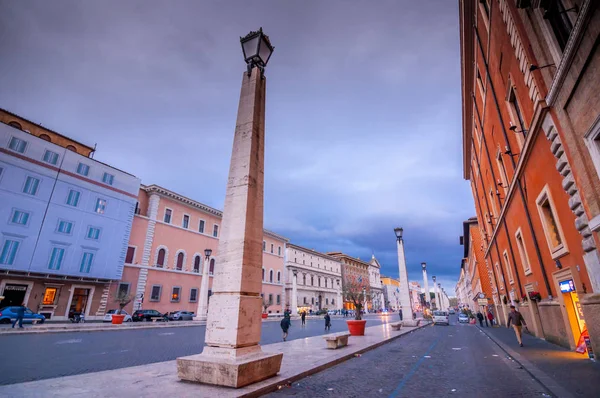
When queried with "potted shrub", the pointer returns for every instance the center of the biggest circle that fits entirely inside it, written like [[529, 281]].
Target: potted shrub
[[122, 298], [356, 291], [266, 306], [535, 296]]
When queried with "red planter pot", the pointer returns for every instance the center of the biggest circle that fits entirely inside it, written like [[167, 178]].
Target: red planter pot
[[117, 319], [265, 316], [356, 328]]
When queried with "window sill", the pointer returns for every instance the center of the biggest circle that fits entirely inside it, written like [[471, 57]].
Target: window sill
[[528, 272], [561, 251]]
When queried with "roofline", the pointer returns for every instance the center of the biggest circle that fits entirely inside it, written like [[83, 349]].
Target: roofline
[[466, 23], [349, 257], [50, 130], [294, 246]]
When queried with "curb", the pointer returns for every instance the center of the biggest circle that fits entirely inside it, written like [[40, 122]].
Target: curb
[[275, 386], [67, 329], [538, 375]]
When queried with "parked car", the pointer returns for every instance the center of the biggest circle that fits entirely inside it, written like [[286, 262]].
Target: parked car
[[109, 314], [181, 316], [440, 317], [452, 312], [148, 316], [463, 318], [8, 314]]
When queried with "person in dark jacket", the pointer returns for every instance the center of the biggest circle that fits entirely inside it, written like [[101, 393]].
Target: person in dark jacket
[[480, 318], [327, 322], [20, 311], [303, 317], [285, 325]]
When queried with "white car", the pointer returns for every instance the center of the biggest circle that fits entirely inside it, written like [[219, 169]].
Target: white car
[[463, 318], [440, 317], [109, 314]]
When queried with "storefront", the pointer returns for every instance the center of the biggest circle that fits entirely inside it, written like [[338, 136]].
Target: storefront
[[14, 292]]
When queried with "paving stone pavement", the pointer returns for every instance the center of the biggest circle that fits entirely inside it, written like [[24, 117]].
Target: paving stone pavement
[[438, 361]]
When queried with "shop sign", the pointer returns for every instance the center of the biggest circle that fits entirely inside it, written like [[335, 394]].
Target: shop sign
[[588, 345], [17, 288], [482, 301], [567, 286]]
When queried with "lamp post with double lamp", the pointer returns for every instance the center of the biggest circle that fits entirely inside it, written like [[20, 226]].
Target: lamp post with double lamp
[[232, 355], [203, 303], [426, 282], [404, 293]]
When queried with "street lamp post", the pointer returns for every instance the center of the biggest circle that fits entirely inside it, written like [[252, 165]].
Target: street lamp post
[[435, 296], [439, 293], [404, 293], [232, 355], [203, 302], [426, 282]]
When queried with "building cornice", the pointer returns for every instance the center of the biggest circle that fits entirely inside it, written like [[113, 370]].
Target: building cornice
[[275, 235], [311, 251], [467, 52], [343, 256]]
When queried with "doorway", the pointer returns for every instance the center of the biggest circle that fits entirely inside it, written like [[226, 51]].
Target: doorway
[[79, 301], [13, 294], [574, 312]]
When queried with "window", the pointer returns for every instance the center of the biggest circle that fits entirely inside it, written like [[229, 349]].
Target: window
[[558, 19], [319, 281], [211, 267], [312, 300], [64, 227], [175, 294], [49, 296], [167, 218], [71, 148], [551, 224], [502, 168], [312, 280], [271, 299], [83, 169], [305, 302], [264, 246], [508, 269], [93, 233], [500, 276], [271, 248], [31, 186], [278, 276], [155, 293], [56, 258], [480, 86], [129, 257], [278, 299], [123, 289], [201, 226], [186, 221], [45, 137], [197, 264], [326, 301], [108, 178], [17, 145], [73, 198], [332, 301], [100, 206], [50, 157], [15, 125], [516, 116], [179, 264], [279, 250], [215, 230], [86, 262], [193, 295], [19, 217], [523, 252], [160, 260], [9, 252], [484, 7], [263, 274], [304, 279], [271, 276]]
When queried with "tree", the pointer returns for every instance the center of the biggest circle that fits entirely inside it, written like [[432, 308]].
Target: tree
[[453, 302], [122, 297], [266, 304], [356, 290]]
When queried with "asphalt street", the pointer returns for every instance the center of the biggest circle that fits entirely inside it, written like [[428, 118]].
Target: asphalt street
[[436, 361], [28, 357]]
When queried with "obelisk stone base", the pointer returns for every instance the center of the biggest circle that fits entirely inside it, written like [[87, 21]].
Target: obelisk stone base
[[229, 371]]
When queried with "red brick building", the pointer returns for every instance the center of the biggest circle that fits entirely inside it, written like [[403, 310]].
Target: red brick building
[[530, 127]]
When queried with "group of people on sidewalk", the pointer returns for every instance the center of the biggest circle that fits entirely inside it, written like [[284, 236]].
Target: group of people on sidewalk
[[286, 322], [489, 316]]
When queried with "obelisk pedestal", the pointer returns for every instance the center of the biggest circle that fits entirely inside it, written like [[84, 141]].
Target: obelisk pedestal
[[232, 356]]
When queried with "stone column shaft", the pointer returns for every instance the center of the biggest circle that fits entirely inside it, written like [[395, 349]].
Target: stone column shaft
[[404, 292], [426, 283], [294, 300], [202, 312]]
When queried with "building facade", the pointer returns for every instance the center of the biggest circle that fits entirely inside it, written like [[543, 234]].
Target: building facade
[[357, 269], [415, 296], [377, 297], [65, 222], [391, 293], [166, 263], [530, 124], [313, 280]]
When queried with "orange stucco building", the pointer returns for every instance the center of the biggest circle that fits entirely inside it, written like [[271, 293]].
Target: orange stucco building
[[165, 261], [533, 186]]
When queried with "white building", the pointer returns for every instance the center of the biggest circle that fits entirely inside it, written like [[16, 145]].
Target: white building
[[313, 280], [377, 297], [415, 296], [65, 221]]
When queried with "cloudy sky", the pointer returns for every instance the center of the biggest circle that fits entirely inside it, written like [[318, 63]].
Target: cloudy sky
[[363, 109]]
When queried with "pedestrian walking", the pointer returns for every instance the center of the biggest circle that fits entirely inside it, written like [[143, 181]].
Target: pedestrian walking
[[480, 318], [285, 325], [327, 322], [20, 311], [518, 322], [303, 317], [490, 316]]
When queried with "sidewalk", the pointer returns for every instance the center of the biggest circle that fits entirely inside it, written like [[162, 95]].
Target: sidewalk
[[301, 357], [48, 327], [564, 372]]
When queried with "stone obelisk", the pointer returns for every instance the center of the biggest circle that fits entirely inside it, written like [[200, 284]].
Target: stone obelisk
[[232, 356]]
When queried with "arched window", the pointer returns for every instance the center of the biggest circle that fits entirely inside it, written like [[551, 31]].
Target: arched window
[[45, 137], [15, 125], [179, 264], [160, 261], [271, 276], [278, 276], [197, 264], [263, 275], [71, 148], [211, 268]]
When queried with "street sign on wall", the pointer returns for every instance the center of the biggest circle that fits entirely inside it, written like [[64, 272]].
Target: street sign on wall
[[482, 301]]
